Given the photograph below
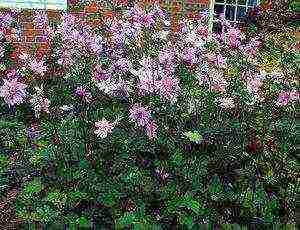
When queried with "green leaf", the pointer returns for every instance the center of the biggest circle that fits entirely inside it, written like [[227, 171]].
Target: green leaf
[[57, 197], [184, 202], [178, 158], [32, 188], [191, 203], [127, 218], [187, 220], [4, 162], [83, 222], [215, 188], [194, 136]]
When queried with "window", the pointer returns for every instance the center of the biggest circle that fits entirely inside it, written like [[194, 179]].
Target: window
[[34, 4], [235, 10]]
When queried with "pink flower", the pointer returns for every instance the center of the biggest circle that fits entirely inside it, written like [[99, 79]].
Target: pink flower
[[41, 19], [103, 128], [147, 83], [115, 26], [169, 87], [252, 47], [95, 45], [234, 37], [5, 20], [140, 115], [148, 20], [183, 27], [203, 31], [248, 49], [189, 55], [151, 129], [69, 20], [121, 65], [12, 73], [219, 84], [166, 56], [253, 85], [13, 91], [38, 67], [83, 92], [122, 88], [220, 60], [66, 58], [100, 74], [283, 99]]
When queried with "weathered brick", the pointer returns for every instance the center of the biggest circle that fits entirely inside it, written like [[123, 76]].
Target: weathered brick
[[30, 39]]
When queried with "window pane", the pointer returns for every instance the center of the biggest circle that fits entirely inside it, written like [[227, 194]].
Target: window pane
[[231, 1], [252, 2], [241, 13], [217, 27], [242, 2], [229, 13], [219, 9]]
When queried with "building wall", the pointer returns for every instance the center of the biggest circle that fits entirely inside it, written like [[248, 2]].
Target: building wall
[[31, 37]]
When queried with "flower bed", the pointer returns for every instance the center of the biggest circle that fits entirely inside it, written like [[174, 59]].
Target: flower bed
[[136, 123]]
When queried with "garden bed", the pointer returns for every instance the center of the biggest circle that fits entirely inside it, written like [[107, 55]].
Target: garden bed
[[138, 124]]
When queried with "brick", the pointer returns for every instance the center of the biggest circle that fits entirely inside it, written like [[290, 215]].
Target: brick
[[30, 39], [40, 39], [29, 33], [92, 8]]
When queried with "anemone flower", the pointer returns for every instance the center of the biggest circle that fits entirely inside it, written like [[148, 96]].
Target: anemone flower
[[283, 99], [169, 87], [103, 128], [226, 102], [39, 102], [38, 66], [13, 91], [151, 129], [139, 114], [83, 93], [2, 51]]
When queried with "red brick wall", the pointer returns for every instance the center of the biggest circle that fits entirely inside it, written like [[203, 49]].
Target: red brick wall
[[32, 35]]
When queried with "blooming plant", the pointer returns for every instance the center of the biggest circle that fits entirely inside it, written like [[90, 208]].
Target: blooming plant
[[135, 124]]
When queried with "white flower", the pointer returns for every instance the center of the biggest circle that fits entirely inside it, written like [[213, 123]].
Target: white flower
[[163, 35], [96, 45], [2, 50], [67, 107], [107, 86], [191, 37], [147, 62], [38, 67], [227, 103], [103, 128], [39, 102], [167, 23], [253, 85]]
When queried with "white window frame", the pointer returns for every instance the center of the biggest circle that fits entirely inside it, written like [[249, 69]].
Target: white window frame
[[212, 16], [34, 4]]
